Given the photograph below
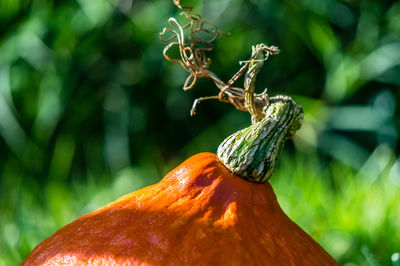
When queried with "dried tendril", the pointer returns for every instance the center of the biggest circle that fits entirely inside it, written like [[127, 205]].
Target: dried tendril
[[193, 58]]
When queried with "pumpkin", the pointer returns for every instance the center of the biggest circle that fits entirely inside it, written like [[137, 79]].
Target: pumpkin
[[210, 210], [199, 214]]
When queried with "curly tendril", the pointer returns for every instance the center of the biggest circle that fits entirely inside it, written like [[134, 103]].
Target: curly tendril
[[193, 58]]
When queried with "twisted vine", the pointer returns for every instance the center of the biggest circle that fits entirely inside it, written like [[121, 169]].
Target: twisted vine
[[193, 58]]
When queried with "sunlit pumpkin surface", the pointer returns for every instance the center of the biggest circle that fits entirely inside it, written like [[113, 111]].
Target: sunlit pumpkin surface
[[199, 214]]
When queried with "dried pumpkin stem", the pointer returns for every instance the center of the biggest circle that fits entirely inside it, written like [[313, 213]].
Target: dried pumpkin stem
[[252, 153]]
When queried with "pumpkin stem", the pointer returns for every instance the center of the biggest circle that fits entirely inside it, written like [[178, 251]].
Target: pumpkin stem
[[260, 53], [252, 152]]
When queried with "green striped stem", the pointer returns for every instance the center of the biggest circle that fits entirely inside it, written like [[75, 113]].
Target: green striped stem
[[255, 64], [252, 152]]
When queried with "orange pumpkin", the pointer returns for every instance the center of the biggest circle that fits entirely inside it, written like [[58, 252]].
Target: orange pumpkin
[[199, 214]]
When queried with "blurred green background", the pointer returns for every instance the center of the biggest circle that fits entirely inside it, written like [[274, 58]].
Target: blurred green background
[[90, 110]]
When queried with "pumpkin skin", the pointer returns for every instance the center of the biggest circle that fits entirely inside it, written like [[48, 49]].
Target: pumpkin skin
[[199, 214]]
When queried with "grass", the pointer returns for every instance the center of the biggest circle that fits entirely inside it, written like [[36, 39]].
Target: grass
[[354, 215]]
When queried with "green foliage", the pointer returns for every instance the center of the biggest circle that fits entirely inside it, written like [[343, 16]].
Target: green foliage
[[89, 111], [353, 214]]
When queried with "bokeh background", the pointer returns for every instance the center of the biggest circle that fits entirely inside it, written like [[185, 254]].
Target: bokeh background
[[90, 110]]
